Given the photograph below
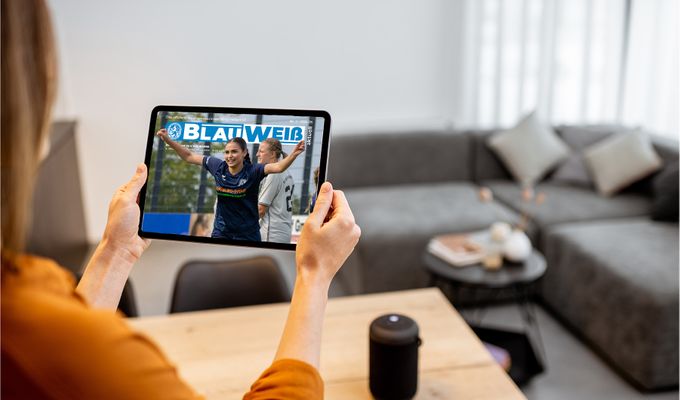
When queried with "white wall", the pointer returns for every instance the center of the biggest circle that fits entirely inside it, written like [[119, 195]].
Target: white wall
[[369, 63]]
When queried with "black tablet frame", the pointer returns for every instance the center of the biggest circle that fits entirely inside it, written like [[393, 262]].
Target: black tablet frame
[[323, 164]]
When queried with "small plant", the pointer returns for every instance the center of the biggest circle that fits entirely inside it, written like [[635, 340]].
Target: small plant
[[528, 197]]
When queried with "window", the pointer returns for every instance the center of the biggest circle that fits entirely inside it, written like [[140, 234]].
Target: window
[[574, 62]]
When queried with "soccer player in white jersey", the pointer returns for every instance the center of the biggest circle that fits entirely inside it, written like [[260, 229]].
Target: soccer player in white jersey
[[275, 197]]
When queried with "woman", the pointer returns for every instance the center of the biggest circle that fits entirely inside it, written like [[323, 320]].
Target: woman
[[237, 182], [64, 342], [276, 192]]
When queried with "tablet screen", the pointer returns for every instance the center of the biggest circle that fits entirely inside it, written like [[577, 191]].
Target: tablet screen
[[233, 175]]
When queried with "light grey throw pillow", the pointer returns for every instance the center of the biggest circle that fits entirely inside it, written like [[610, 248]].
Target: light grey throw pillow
[[573, 171], [620, 160], [529, 150]]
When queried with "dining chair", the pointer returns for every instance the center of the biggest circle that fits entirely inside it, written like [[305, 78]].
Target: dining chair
[[205, 285]]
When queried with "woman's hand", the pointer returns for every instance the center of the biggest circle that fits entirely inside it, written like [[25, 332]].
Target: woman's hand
[[299, 148], [328, 236], [327, 239], [184, 153], [163, 134], [108, 269], [120, 234]]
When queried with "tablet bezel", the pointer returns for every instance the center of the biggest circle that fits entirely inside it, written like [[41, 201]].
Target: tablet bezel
[[323, 164]]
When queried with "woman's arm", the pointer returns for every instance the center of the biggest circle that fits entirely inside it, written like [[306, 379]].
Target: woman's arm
[[282, 165], [108, 269], [184, 153], [328, 237]]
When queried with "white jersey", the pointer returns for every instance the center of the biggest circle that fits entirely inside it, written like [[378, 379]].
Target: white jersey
[[276, 192]]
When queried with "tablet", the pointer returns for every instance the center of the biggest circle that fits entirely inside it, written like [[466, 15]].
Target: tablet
[[238, 176]]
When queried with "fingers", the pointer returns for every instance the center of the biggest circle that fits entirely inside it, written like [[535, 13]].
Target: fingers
[[341, 206], [135, 184], [322, 205]]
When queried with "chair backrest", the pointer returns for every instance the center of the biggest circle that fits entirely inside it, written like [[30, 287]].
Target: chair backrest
[[127, 304], [204, 285]]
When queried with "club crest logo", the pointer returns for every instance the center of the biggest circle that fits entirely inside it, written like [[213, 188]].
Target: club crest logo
[[175, 131]]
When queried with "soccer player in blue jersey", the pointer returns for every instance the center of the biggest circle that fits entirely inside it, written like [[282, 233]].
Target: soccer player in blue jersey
[[237, 182]]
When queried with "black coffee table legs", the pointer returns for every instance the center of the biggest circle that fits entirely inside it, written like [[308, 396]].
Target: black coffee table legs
[[527, 346]]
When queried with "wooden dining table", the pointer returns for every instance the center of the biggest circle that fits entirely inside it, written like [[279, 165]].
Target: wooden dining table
[[222, 352]]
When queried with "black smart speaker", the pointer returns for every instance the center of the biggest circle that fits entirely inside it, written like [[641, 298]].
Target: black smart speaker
[[393, 357]]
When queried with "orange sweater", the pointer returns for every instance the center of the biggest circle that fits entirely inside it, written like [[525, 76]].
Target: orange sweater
[[55, 347]]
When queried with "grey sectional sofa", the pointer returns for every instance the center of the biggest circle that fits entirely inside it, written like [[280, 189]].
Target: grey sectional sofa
[[612, 272]]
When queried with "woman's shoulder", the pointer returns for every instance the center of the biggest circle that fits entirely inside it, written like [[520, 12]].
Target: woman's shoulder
[[255, 168], [40, 331], [34, 288], [26, 270], [214, 165]]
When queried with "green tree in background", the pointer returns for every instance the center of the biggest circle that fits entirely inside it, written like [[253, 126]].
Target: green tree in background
[[179, 181]]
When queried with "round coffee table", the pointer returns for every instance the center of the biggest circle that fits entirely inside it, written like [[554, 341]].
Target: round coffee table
[[519, 278], [509, 275]]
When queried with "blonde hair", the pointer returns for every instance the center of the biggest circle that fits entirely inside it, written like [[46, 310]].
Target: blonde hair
[[275, 146], [28, 88]]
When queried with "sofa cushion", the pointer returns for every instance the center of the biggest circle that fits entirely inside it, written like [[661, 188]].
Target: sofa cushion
[[397, 222], [573, 170], [578, 137], [485, 163], [616, 282], [565, 203], [423, 209], [380, 159], [665, 204], [667, 149], [529, 150], [620, 160]]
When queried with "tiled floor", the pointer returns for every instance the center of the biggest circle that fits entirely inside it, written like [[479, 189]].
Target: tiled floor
[[574, 372]]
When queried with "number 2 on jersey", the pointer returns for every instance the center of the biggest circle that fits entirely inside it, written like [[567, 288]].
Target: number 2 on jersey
[[289, 195]]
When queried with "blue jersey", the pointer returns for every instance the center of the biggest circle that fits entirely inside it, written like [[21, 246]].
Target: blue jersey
[[236, 215]]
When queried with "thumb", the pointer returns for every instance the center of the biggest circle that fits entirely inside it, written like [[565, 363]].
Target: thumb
[[138, 180], [322, 205]]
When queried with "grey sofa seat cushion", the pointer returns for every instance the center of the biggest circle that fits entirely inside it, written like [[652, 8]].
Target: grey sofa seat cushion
[[566, 203], [422, 210], [616, 282], [382, 159], [397, 222]]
